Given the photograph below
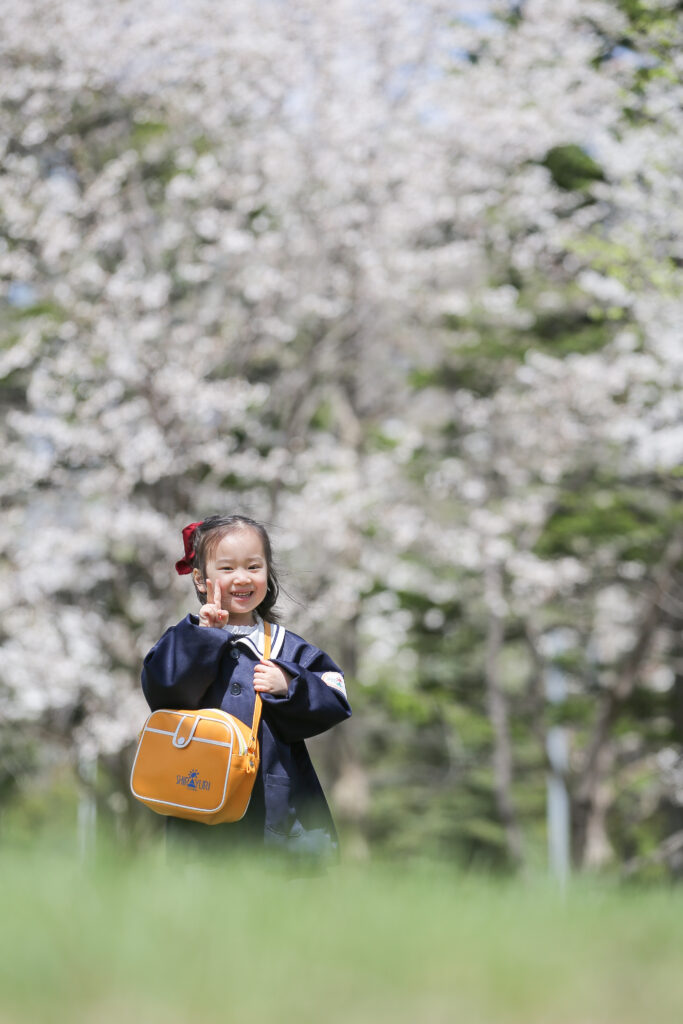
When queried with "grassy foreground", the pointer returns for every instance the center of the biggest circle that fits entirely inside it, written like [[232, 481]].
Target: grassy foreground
[[144, 941]]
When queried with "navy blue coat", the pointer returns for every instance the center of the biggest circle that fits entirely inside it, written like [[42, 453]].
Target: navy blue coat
[[195, 666]]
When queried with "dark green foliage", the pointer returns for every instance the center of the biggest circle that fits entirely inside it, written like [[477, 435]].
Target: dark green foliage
[[47, 308], [471, 374], [480, 359], [573, 330], [572, 168], [144, 132], [634, 522]]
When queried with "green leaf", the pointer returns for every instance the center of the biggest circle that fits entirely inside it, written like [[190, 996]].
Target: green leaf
[[571, 167]]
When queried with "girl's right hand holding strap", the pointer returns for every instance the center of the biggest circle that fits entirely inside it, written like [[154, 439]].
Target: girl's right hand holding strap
[[212, 613]]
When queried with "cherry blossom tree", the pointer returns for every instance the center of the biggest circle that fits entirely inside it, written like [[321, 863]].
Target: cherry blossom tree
[[401, 281]]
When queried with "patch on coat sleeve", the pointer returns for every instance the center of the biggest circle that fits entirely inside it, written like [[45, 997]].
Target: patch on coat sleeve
[[335, 680]]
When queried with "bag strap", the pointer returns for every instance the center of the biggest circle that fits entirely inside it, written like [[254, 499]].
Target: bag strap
[[258, 705]]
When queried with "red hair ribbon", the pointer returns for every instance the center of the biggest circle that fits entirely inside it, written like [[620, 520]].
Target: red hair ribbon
[[184, 566]]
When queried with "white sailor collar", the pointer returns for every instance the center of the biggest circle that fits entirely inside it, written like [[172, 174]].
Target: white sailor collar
[[256, 640]]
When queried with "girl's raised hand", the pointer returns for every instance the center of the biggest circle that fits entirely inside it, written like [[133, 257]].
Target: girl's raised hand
[[212, 613]]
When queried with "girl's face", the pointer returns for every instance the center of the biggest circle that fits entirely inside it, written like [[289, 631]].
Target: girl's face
[[239, 565]]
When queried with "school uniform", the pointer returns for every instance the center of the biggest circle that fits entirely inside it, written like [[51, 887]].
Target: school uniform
[[195, 666]]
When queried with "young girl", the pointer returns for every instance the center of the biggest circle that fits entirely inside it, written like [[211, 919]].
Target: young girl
[[216, 660]]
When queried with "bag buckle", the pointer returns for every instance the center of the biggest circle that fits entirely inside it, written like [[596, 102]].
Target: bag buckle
[[179, 741]]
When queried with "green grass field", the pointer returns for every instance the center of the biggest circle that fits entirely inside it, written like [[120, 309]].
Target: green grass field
[[143, 940]]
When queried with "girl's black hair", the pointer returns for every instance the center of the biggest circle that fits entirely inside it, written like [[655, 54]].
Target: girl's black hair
[[208, 535]]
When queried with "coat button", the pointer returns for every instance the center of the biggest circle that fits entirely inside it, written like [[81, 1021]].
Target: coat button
[[234, 653], [235, 689]]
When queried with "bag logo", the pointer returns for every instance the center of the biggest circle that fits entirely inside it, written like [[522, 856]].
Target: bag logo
[[192, 781]]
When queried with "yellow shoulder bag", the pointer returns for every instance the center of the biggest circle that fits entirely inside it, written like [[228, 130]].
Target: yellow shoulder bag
[[199, 764]]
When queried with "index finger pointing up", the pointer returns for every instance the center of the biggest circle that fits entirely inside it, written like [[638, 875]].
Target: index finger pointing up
[[209, 591], [217, 596]]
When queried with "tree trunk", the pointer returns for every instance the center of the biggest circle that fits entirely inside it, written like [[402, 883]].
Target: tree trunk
[[591, 792], [498, 714]]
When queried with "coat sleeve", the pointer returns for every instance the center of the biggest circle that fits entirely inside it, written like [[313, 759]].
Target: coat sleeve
[[311, 705], [182, 665]]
